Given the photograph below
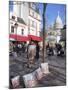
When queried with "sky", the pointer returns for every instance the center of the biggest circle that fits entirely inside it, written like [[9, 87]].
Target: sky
[[10, 6], [51, 12]]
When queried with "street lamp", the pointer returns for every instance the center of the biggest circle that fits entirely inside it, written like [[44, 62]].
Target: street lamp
[[16, 25]]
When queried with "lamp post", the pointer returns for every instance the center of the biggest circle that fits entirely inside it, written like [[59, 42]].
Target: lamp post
[[16, 25]]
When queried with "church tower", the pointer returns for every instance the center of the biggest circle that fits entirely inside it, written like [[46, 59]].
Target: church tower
[[58, 25]]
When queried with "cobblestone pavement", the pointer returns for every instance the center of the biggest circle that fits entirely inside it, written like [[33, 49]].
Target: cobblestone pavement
[[57, 68]]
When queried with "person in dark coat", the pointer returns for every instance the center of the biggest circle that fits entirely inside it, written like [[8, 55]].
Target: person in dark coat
[[37, 51], [47, 48], [59, 49], [51, 50]]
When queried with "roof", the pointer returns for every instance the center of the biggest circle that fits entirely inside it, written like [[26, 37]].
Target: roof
[[20, 20]]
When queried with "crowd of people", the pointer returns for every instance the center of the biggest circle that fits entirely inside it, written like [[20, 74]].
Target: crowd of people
[[57, 49], [32, 50]]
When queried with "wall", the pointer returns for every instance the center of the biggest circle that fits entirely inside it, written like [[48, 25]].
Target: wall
[[19, 28], [16, 9], [37, 28], [25, 12], [19, 31], [22, 10]]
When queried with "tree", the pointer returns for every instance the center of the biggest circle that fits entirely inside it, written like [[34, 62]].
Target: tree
[[44, 9]]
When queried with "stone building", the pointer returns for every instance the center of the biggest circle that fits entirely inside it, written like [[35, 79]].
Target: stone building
[[25, 22]]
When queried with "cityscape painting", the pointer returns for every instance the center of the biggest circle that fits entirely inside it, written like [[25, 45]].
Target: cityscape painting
[[37, 44]]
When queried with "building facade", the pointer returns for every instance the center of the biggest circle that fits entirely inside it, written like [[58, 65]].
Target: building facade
[[18, 29], [63, 36], [25, 22]]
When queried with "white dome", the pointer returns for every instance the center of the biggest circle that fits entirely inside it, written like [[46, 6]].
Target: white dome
[[58, 23]]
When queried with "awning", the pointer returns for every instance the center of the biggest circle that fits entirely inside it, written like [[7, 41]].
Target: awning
[[18, 37], [12, 39], [35, 38]]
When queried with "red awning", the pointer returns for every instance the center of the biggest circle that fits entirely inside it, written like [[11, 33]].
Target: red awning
[[18, 37], [35, 38]]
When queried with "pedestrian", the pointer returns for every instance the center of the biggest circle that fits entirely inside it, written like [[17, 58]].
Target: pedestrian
[[31, 53], [26, 47], [19, 47], [15, 50], [47, 48], [37, 51], [51, 52], [23, 48], [59, 48], [10, 48]]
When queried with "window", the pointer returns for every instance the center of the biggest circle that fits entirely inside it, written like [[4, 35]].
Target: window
[[28, 31], [32, 13], [32, 31], [38, 33], [24, 3], [33, 5], [33, 24], [35, 15], [28, 22], [22, 31], [12, 29]]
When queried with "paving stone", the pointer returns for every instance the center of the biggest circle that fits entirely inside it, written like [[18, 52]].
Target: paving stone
[[57, 68]]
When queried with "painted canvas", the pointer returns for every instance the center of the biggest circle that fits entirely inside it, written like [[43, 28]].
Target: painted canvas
[[37, 44]]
